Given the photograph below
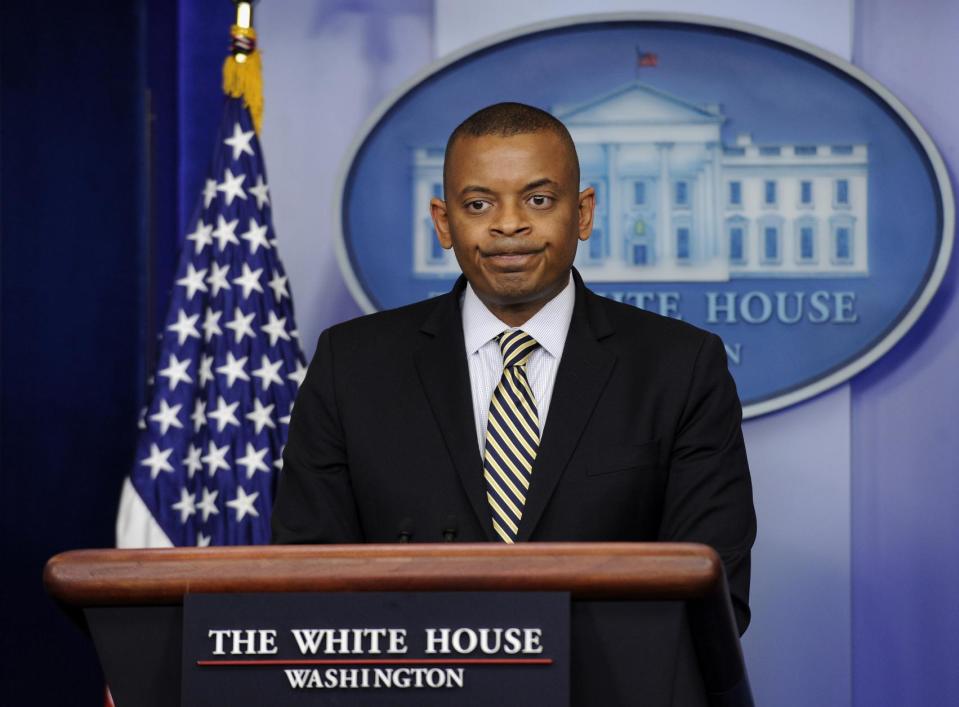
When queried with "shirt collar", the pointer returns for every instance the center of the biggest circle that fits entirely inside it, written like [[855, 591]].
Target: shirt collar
[[548, 326]]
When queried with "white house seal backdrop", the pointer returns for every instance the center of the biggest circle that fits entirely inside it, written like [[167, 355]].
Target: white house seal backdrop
[[746, 182]]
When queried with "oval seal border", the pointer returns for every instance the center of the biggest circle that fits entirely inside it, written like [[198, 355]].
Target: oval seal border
[[831, 379]]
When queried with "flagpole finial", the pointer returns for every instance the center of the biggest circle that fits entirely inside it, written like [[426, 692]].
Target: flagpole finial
[[242, 71], [244, 13]]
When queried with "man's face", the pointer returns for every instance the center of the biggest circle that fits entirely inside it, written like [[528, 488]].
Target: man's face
[[513, 216]]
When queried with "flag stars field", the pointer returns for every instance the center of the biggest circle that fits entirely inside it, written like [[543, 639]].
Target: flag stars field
[[253, 460], [198, 416], [256, 237], [225, 232], [268, 373], [240, 141], [278, 285], [209, 194], [185, 327], [231, 186], [211, 325], [262, 415], [175, 372], [228, 365], [186, 505], [249, 281], [215, 458], [243, 503], [233, 369], [193, 280], [224, 414], [241, 324], [298, 375], [217, 280], [275, 328], [158, 460], [261, 191], [206, 369], [191, 462], [207, 504], [202, 236], [167, 416]]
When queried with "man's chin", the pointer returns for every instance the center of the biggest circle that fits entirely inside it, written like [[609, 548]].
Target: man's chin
[[517, 292], [512, 288]]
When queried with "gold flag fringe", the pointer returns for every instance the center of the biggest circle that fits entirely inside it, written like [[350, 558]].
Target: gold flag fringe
[[244, 79]]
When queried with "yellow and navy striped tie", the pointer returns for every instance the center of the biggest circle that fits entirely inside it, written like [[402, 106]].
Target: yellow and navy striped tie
[[512, 436]]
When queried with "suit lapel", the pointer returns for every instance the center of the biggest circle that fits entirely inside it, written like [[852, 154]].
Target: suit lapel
[[444, 374], [580, 380]]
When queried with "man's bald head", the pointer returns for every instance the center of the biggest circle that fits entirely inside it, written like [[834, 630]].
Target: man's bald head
[[507, 120]]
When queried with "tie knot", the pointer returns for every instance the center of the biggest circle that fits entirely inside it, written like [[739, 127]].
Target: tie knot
[[516, 346]]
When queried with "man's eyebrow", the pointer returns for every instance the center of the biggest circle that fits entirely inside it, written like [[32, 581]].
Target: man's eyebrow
[[475, 187], [545, 181]]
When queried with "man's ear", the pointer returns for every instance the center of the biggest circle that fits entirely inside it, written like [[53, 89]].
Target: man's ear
[[587, 204], [441, 222]]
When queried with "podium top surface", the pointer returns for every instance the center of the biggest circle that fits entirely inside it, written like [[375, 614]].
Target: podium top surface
[[667, 571]]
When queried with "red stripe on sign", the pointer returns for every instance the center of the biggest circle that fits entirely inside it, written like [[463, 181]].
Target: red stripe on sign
[[372, 661]]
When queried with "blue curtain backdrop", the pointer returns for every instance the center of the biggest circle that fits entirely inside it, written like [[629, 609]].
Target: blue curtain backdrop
[[73, 197], [108, 119], [905, 450]]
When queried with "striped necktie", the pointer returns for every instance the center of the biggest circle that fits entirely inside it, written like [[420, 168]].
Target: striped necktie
[[512, 436]]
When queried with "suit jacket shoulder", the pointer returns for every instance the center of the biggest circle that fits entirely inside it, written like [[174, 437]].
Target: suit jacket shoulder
[[641, 327]]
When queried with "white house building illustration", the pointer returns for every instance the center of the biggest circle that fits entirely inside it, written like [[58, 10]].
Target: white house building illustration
[[675, 204]]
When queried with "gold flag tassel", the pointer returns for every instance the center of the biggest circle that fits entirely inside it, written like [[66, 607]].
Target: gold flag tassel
[[242, 76]]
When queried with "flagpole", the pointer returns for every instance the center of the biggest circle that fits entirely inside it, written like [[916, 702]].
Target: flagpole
[[242, 73], [244, 21]]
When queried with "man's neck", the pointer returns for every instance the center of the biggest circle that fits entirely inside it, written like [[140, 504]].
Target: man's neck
[[517, 314]]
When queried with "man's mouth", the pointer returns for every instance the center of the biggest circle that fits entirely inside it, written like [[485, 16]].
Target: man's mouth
[[511, 259]]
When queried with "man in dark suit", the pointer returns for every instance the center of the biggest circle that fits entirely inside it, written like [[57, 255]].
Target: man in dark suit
[[589, 420]]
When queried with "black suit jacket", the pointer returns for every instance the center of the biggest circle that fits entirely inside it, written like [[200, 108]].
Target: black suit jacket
[[642, 439]]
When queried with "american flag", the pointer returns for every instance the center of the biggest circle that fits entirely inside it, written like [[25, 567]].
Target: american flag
[[647, 59], [229, 365]]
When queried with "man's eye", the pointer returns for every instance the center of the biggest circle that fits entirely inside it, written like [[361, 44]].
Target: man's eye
[[541, 201], [477, 206]]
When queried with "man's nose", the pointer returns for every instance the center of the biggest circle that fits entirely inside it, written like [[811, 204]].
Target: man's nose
[[510, 220]]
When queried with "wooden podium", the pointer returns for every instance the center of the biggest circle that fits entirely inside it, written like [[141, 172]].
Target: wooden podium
[[651, 623]]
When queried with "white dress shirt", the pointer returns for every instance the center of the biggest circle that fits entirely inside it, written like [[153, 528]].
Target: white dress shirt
[[481, 327]]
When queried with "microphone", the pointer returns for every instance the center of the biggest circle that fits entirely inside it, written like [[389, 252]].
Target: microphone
[[406, 530], [450, 529]]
